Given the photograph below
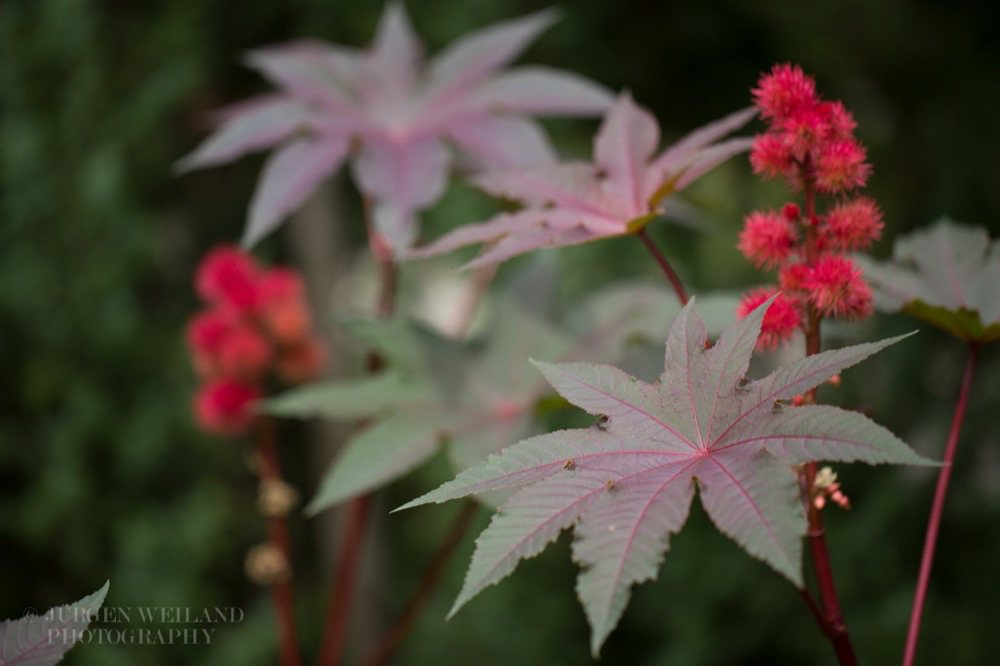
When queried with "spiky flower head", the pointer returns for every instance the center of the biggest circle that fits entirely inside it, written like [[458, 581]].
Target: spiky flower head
[[768, 238], [836, 287], [853, 225], [782, 319]]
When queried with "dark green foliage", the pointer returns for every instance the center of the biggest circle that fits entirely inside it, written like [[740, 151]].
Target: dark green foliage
[[102, 475]]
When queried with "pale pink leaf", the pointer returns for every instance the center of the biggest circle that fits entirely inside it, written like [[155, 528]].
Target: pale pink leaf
[[623, 147], [544, 237], [289, 177], [502, 142], [507, 223], [260, 124], [387, 95], [567, 185], [542, 90], [312, 71], [617, 194], [396, 53], [680, 152], [711, 157], [402, 177], [469, 59]]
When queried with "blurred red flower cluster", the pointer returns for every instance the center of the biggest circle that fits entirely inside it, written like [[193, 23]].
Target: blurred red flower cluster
[[256, 322], [810, 144]]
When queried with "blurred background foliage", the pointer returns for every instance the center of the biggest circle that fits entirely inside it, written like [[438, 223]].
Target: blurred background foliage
[[103, 476]]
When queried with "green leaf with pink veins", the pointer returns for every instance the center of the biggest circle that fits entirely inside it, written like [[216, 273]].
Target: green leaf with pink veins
[[947, 275], [618, 193], [472, 398], [399, 113], [626, 484]]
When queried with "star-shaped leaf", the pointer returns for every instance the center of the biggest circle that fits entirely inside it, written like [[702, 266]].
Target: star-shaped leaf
[[400, 112], [475, 397], [626, 484], [948, 275], [619, 193]]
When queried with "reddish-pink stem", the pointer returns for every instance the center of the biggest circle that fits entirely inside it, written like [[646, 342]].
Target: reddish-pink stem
[[665, 266], [342, 592], [394, 638], [937, 508], [281, 592]]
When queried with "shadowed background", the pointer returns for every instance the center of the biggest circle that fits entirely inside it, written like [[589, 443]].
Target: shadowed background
[[103, 475]]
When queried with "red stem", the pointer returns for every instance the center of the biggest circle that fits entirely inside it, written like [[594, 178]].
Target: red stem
[[937, 509], [277, 529], [342, 592], [832, 625], [668, 270], [404, 623], [832, 619]]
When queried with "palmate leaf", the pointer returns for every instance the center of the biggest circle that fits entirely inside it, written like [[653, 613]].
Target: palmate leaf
[[42, 640], [472, 397], [576, 202], [947, 275], [399, 112], [626, 484]]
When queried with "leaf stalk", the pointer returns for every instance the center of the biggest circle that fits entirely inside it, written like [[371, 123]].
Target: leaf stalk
[[342, 592], [665, 266], [432, 574], [937, 508]]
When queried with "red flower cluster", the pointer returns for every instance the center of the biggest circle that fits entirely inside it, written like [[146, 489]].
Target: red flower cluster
[[806, 134], [256, 321], [810, 144]]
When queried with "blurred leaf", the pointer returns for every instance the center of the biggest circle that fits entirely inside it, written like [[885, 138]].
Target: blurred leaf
[[43, 640], [947, 275], [477, 396]]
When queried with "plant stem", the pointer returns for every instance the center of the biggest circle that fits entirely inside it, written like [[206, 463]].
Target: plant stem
[[395, 636], [277, 529], [832, 619], [342, 592], [675, 281], [400, 629], [937, 509]]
